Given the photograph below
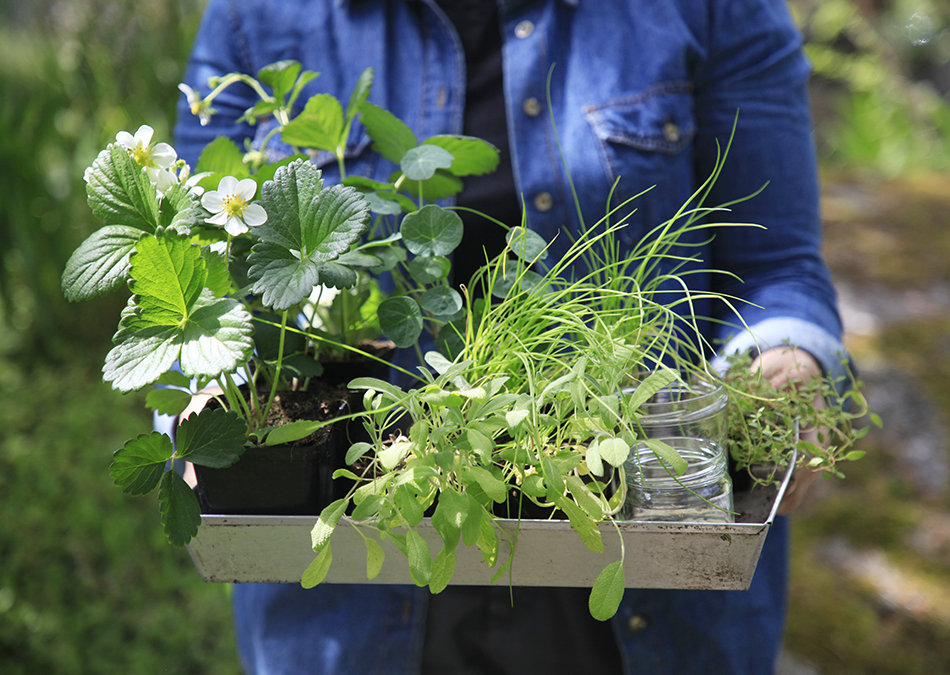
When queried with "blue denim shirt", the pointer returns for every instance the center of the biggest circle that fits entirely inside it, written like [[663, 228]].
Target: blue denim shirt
[[642, 91]]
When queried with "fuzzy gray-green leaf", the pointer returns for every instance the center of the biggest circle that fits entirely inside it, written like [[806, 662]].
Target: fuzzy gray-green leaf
[[607, 592]]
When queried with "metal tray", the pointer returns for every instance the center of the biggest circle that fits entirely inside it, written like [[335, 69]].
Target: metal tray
[[548, 553]]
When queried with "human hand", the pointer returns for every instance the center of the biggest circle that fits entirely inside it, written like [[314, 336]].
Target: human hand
[[785, 367]]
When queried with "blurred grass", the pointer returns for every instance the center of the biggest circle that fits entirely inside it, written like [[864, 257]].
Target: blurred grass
[[88, 583]]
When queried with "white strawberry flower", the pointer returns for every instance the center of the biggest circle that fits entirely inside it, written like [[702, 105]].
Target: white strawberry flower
[[230, 207], [157, 159], [198, 105]]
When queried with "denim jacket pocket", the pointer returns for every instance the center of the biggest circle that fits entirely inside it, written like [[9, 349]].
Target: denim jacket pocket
[[645, 140], [658, 119]]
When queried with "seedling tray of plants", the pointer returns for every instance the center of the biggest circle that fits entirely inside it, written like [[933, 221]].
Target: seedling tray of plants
[[687, 555]]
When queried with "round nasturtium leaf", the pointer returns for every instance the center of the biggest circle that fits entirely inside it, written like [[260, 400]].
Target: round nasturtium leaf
[[429, 269], [441, 301], [400, 320], [421, 162], [527, 244], [432, 231]]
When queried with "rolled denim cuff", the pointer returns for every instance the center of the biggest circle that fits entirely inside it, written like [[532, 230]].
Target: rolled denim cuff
[[828, 350]]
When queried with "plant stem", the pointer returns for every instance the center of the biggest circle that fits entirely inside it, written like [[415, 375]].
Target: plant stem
[[277, 368]]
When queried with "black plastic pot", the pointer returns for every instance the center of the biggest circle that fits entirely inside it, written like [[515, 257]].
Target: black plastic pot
[[288, 480]]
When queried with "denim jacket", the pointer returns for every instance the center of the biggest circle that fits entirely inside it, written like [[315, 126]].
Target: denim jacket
[[644, 93]]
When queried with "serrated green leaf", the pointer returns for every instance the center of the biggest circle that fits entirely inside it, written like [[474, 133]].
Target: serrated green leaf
[[214, 438], [375, 557], [441, 301], [318, 569], [280, 76], [607, 592], [168, 401], [215, 339], [420, 560], [471, 156], [302, 366], [359, 95], [318, 126], [218, 280], [221, 156], [175, 379], [614, 450], [432, 231], [306, 229], [168, 274], [391, 137], [119, 192], [181, 513], [326, 523], [101, 263], [422, 162], [400, 319], [137, 467], [527, 244], [429, 269]]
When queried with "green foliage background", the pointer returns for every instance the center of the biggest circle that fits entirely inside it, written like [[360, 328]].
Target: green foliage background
[[87, 582]]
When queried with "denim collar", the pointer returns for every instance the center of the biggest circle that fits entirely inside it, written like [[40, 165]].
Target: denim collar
[[507, 4]]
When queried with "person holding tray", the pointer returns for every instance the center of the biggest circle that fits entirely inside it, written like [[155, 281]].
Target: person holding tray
[[647, 91]]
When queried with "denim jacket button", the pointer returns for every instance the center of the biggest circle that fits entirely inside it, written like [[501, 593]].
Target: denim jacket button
[[543, 201], [671, 132], [637, 623], [524, 29], [531, 107]]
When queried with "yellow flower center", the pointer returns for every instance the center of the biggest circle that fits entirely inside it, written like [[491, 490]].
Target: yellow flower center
[[235, 205], [143, 156]]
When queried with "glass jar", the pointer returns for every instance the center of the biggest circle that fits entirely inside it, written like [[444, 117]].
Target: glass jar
[[695, 410], [703, 493]]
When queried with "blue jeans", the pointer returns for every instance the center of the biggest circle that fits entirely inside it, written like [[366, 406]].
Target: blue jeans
[[283, 629]]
